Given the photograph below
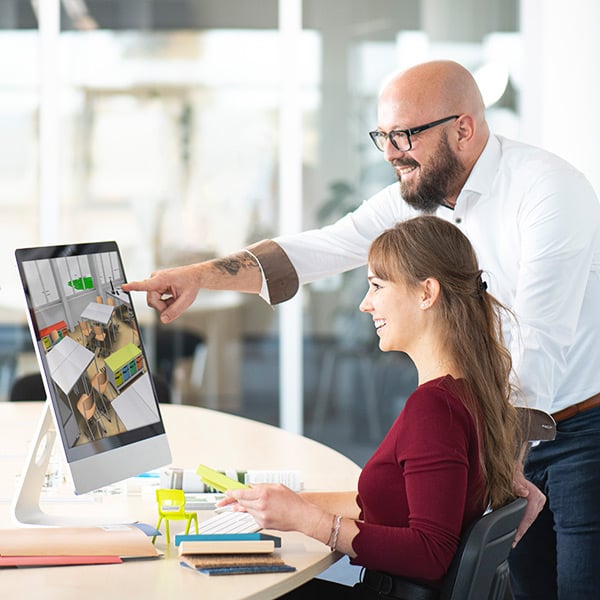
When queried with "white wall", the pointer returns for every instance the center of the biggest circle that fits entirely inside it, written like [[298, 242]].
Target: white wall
[[561, 88]]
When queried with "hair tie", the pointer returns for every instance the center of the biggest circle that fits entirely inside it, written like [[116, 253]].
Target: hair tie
[[482, 286]]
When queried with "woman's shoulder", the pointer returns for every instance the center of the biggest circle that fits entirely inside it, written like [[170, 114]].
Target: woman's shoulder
[[443, 397]]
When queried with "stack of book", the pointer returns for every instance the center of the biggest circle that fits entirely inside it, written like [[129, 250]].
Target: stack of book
[[231, 553], [53, 546]]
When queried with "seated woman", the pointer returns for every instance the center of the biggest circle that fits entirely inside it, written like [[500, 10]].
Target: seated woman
[[451, 452]]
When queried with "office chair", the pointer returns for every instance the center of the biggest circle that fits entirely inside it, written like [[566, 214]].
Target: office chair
[[163, 390], [171, 507], [479, 569], [86, 405], [536, 425], [86, 332], [54, 337], [27, 387], [172, 345], [100, 340], [100, 384], [480, 566]]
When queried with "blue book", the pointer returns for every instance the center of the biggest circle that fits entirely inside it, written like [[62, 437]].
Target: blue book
[[226, 537], [248, 569], [239, 569]]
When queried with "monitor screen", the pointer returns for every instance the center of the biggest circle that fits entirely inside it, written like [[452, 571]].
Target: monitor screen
[[93, 363]]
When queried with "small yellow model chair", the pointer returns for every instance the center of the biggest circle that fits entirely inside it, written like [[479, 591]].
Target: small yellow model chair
[[171, 507]]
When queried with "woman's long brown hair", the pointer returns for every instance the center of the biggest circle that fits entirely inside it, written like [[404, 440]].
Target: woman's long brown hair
[[471, 317]]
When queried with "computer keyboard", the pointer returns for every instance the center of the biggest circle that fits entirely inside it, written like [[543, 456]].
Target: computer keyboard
[[201, 501], [229, 521]]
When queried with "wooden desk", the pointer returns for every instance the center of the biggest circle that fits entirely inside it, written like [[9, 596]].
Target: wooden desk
[[196, 435]]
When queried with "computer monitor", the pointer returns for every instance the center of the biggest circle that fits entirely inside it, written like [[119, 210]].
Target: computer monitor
[[101, 402]]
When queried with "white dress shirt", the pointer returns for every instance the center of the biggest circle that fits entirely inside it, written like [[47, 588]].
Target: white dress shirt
[[534, 221]]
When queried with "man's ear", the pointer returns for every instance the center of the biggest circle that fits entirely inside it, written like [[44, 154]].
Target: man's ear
[[465, 130]]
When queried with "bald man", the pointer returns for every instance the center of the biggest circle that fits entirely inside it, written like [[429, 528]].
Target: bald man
[[535, 223]]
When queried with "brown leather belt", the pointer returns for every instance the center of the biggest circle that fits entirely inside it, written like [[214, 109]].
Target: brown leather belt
[[575, 409]]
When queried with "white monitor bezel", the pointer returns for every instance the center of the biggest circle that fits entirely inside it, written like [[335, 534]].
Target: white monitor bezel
[[96, 464]]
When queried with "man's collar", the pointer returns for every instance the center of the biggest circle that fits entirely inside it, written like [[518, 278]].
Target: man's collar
[[482, 175]]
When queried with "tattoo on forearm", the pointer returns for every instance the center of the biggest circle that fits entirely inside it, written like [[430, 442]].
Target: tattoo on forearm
[[236, 262]]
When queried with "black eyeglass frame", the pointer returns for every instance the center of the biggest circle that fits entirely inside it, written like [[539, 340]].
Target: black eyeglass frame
[[374, 135]]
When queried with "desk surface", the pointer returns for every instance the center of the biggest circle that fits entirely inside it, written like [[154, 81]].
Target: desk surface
[[95, 311], [68, 361], [196, 435], [131, 405]]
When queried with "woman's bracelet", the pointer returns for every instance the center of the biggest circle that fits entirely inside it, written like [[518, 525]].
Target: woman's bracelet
[[335, 531]]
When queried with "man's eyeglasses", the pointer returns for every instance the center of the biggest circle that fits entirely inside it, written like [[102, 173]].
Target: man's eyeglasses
[[400, 138]]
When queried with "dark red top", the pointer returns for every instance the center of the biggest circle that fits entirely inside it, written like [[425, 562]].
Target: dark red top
[[422, 487]]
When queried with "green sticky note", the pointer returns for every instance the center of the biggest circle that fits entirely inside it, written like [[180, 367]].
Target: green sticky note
[[217, 480]]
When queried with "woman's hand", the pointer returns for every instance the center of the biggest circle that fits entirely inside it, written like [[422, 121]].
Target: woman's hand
[[535, 503], [275, 506]]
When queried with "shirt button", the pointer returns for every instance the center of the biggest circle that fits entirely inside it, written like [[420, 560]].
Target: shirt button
[[458, 220]]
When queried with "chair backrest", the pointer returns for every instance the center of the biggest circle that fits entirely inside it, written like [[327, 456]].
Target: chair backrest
[[171, 502], [98, 380], [480, 567], [163, 390], [536, 425], [28, 387], [86, 406]]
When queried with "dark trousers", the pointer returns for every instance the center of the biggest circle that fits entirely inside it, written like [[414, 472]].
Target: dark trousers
[[321, 588], [559, 556]]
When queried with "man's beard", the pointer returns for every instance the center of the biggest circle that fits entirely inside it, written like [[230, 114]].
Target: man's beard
[[436, 181]]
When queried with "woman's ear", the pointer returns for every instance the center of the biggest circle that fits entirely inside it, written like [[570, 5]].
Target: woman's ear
[[430, 291]]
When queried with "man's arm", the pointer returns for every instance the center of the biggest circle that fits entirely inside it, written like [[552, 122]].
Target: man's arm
[[275, 268], [172, 291]]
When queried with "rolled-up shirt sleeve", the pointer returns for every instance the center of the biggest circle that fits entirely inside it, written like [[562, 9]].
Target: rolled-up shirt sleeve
[[280, 280]]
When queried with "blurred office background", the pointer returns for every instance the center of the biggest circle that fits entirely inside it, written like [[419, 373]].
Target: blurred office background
[[173, 127]]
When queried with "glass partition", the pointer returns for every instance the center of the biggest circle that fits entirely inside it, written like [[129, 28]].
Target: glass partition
[[169, 144]]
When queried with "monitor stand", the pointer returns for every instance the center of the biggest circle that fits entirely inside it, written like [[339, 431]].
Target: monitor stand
[[26, 508]]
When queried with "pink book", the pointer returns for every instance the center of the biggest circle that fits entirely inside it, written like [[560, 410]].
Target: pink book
[[50, 561]]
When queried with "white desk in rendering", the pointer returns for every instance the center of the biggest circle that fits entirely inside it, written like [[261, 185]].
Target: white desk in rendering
[[68, 361]]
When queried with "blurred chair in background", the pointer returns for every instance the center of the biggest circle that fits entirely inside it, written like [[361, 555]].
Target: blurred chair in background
[[163, 389], [180, 355], [27, 387]]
